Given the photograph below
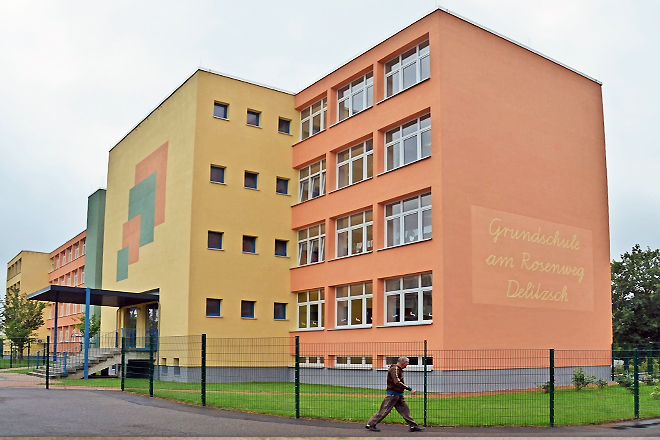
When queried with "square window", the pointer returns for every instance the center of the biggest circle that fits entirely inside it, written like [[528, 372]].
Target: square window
[[284, 126], [249, 244], [253, 118], [281, 248], [217, 174], [213, 307], [247, 309], [220, 110], [282, 186], [215, 240], [280, 311], [250, 180]]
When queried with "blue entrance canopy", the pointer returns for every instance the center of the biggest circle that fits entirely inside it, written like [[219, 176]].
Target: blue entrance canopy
[[98, 297]]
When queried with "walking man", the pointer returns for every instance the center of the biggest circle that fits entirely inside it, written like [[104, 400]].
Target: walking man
[[394, 398]]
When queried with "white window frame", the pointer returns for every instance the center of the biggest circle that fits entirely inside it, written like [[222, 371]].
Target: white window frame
[[68, 309], [364, 297], [420, 56], [349, 95], [75, 278], [347, 225], [307, 176], [66, 335], [77, 253], [412, 367], [305, 239], [401, 216], [395, 141], [82, 275], [395, 292], [348, 159], [84, 245], [71, 254], [307, 115], [349, 364], [307, 304], [305, 363]]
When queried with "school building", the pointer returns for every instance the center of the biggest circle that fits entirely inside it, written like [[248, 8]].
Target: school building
[[448, 184]]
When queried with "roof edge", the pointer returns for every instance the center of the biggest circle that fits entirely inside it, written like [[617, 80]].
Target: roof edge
[[460, 17]]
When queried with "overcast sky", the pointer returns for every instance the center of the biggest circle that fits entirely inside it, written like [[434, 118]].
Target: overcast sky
[[76, 76]]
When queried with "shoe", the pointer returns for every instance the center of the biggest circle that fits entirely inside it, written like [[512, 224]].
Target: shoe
[[372, 428], [416, 428]]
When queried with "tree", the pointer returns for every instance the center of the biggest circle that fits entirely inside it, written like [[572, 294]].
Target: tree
[[636, 297], [20, 318], [94, 325]]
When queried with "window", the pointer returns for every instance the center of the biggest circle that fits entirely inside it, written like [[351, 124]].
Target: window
[[68, 309], [355, 164], [280, 311], [215, 240], [57, 261], [217, 174], [253, 118], [213, 307], [353, 362], [69, 280], [84, 245], [282, 186], [247, 309], [284, 126], [61, 309], [63, 258], [354, 234], [82, 275], [249, 244], [355, 97], [75, 278], [61, 336], [281, 248], [354, 305], [70, 254], [313, 119], [416, 362], [407, 69], [311, 245], [311, 361], [312, 181], [176, 369], [66, 335], [220, 110], [405, 219], [408, 143], [250, 180], [77, 250], [408, 299], [310, 309]]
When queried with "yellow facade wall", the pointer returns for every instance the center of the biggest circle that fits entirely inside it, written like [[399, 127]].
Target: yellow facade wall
[[230, 274], [178, 261], [163, 264], [29, 271]]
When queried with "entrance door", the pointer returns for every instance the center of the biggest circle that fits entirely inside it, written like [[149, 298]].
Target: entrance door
[[152, 323], [130, 326]]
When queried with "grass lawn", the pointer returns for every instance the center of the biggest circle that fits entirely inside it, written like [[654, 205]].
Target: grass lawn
[[4, 363], [526, 408]]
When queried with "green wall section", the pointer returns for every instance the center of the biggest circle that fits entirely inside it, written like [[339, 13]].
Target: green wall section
[[94, 242], [122, 264], [142, 202]]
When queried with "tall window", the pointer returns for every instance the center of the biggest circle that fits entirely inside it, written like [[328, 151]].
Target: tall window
[[57, 262], [409, 299], [77, 250], [355, 164], [310, 309], [355, 97], [354, 234], [313, 119], [407, 69], [408, 143], [84, 246], [75, 277], [311, 245], [312, 181], [354, 305], [70, 254], [82, 275], [408, 221]]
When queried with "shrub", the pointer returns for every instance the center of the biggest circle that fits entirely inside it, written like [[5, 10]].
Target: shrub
[[581, 380], [545, 387], [656, 392], [600, 383], [626, 380]]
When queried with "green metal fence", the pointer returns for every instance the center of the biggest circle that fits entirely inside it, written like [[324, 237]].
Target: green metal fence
[[346, 381]]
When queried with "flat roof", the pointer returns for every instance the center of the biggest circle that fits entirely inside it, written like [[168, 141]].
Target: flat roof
[[98, 297]]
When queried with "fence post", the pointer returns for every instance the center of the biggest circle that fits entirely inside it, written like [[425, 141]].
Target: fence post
[[151, 365], [612, 363], [636, 384], [66, 354], [552, 387], [203, 369], [424, 363], [28, 354], [122, 369], [649, 359], [47, 353], [626, 356], [297, 377], [11, 354]]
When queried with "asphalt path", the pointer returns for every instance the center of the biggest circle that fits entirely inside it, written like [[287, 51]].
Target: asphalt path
[[28, 412]]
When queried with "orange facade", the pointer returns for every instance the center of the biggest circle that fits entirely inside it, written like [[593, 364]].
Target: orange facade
[[67, 269], [507, 209]]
